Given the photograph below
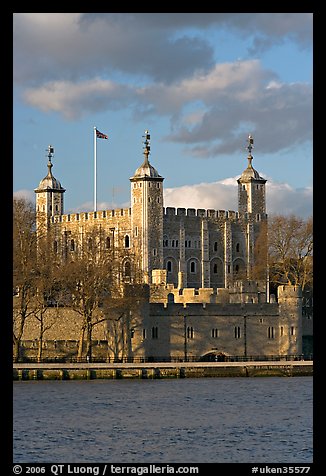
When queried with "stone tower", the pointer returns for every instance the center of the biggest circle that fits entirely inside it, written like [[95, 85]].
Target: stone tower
[[251, 188], [290, 331], [147, 214], [49, 196]]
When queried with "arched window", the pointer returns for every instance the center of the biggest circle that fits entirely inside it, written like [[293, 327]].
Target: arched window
[[108, 242], [192, 266], [215, 268], [127, 241], [170, 298], [169, 266], [127, 269]]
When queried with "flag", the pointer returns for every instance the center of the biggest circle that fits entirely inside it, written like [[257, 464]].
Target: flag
[[100, 135]]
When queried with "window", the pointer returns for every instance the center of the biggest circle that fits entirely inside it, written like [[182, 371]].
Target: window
[[292, 331], [192, 266], [170, 298], [237, 332], [236, 269], [127, 269], [108, 242], [215, 246], [55, 246], [237, 247], [215, 333], [281, 331], [144, 333], [72, 245], [169, 266], [190, 332], [154, 332], [154, 251], [271, 333], [127, 241], [215, 269], [136, 231]]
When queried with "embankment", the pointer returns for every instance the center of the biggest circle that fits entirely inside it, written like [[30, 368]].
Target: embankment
[[158, 370]]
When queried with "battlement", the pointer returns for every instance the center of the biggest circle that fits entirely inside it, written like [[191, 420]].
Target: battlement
[[206, 310], [289, 291], [215, 214], [91, 216]]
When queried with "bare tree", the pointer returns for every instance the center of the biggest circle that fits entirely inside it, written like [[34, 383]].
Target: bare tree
[[50, 293], [291, 250], [24, 267], [94, 278]]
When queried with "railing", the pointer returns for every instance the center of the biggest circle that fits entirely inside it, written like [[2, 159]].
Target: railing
[[150, 359]]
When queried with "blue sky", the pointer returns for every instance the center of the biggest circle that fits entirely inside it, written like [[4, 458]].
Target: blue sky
[[199, 82]]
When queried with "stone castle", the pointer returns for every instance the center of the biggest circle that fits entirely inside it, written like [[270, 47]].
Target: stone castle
[[188, 248], [199, 267]]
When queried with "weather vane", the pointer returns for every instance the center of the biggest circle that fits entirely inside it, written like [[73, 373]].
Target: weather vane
[[147, 147], [250, 146], [50, 151]]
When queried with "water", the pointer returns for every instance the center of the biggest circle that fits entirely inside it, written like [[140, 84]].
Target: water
[[206, 420]]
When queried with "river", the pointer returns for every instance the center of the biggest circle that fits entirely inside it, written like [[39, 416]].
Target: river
[[204, 420]]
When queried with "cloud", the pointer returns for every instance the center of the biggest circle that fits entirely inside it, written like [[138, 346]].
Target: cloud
[[222, 195], [28, 195], [74, 45], [164, 47], [207, 110], [164, 64], [74, 100]]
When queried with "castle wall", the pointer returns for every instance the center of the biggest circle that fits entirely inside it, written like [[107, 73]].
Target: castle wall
[[158, 330]]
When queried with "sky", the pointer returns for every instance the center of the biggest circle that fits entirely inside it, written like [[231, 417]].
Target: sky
[[199, 82]]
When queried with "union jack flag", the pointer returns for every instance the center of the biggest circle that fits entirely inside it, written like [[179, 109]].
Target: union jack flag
[[100, 135]]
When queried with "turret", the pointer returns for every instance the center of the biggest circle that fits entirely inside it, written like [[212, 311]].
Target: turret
[[49, 195], [251, 187], [147, 213]]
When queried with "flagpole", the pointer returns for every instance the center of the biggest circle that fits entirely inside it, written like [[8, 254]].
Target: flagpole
[[95, 172]]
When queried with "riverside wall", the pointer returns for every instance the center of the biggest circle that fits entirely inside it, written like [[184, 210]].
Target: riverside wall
[[159, 370]]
